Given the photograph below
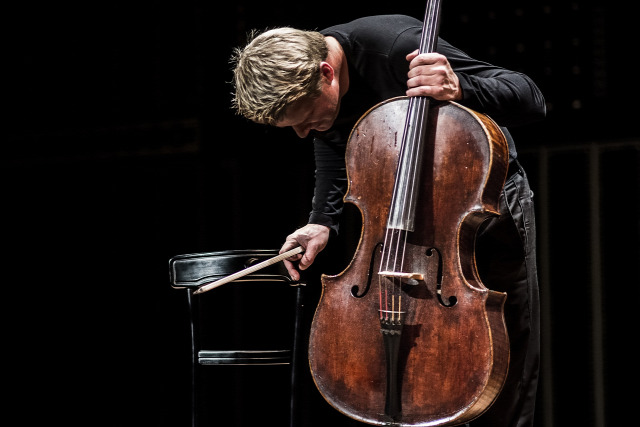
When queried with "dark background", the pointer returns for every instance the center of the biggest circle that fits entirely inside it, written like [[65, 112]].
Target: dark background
[[121, 151]]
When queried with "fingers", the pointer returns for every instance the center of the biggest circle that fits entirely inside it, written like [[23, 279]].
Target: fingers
[[313, 238], [425, 59], [308, 257], [291, 268], [412, 55], [290, 243], [430, 74]]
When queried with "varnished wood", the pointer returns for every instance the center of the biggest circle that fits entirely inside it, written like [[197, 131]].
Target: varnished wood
[[452, 360]]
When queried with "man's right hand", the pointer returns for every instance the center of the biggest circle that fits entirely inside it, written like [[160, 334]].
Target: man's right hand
[[313, 238]]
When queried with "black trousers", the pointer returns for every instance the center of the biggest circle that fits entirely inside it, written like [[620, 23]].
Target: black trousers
[[506, 259]]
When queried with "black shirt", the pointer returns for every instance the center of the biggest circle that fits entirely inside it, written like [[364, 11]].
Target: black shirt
[[376, 49]]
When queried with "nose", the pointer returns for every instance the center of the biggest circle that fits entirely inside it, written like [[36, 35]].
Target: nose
[[302, 131]]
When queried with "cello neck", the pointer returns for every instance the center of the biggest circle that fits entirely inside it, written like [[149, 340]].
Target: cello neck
[[430, 26], [403, 207]]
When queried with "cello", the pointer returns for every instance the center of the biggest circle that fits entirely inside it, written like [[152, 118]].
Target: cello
[[407, 334]]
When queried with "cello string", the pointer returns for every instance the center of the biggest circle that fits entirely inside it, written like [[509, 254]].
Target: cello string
[[396, 238], [395, 242], [418, 115], [432, 18], [427, 44]]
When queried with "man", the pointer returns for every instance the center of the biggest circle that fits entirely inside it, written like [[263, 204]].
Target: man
[[320, 83]]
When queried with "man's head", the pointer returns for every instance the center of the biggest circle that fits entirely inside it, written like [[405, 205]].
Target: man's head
[[275, 69]]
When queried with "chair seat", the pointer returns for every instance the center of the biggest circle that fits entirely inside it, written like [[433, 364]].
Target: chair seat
[[244, 357]]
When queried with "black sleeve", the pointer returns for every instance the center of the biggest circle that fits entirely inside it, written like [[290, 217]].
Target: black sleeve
[[509, 97], [331, 182]]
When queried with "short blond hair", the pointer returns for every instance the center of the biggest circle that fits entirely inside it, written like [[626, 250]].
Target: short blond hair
[[275, 69]]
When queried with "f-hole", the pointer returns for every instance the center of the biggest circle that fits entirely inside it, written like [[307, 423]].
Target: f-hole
[[451, 300], [377, 250]]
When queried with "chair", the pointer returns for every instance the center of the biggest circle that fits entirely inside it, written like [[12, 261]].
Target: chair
[[233, 315]]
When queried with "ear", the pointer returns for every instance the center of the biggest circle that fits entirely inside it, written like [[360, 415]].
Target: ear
[[326, 70]]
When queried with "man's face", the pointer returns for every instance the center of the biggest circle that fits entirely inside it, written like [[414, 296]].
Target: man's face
[[317, 113]]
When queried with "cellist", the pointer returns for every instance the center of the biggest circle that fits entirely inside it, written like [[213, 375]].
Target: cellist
[[321, 82]]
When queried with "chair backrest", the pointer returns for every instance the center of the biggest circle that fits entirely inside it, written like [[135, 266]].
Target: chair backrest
[[195, 270], [241, 314], [254, 320]]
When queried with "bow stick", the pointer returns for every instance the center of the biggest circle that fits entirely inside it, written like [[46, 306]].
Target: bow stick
[[208, 286]]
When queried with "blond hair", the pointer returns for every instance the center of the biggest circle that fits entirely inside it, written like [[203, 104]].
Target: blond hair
[[275, 69]]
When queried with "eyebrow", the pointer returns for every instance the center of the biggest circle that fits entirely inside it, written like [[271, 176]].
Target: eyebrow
[[305, 117]]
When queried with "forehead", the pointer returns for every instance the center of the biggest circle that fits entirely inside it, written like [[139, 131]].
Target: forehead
[[297, 112]]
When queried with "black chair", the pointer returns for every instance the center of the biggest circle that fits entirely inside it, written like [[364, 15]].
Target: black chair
[[232, 325]]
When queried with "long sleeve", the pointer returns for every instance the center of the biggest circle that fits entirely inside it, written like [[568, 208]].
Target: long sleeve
[[331, 182], [509, 97]]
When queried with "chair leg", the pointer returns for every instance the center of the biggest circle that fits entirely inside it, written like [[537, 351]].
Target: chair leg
[[194, 362], [193, 307], [295, 356]]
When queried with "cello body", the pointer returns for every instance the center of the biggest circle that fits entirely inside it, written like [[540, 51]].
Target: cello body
[[445, 362]]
